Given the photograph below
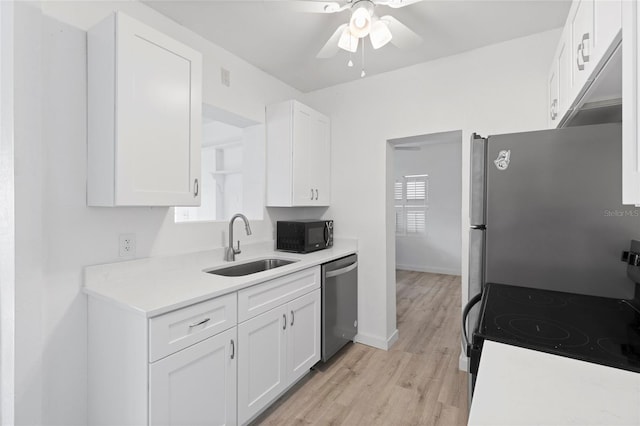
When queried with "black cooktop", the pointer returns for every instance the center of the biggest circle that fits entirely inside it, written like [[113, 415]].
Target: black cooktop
[[590, 328]]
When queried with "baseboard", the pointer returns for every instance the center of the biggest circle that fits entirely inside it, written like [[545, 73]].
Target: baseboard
[[377, 342], [431, 269], [463, 363], [392, 339]]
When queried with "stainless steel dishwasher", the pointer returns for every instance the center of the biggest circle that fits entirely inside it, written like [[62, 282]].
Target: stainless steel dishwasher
[[339, 304]]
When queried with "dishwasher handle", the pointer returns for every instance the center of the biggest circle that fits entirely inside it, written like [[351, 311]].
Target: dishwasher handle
[[341, 271]]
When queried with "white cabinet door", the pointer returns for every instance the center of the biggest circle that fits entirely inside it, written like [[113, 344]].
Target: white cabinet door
[[581, 25], [552, 84], [630, 103], [197, 385], [563, 57], [303, 148], [261, 361], [559, 82], [298, 156], [303, 335], [145, 103], [608, 23], [320, 159]]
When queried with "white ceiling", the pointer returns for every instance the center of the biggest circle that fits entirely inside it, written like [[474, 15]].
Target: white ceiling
[[284, 43]]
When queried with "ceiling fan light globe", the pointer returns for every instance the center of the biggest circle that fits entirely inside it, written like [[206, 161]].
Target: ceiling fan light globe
[[348, 41], [360, 23], [380, 34]]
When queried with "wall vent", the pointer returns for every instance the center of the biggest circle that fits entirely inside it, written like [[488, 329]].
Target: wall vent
[[225, 77]]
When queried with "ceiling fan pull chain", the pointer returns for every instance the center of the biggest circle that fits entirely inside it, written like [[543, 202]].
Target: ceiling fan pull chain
[[350, 63], [362, 74]]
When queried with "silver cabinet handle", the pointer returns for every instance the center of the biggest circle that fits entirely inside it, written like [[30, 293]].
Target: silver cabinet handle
[[554, 112], [196, 188], [284, 325], [312, 193], [581, 54], [580, 66], [204, 321], [585, 37], [316, 194], [233, 349], [292, 317]]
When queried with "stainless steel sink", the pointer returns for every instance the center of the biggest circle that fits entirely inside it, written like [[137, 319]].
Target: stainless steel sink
[[250, 267]]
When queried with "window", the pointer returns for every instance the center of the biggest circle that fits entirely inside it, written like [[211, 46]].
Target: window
[[232, 175], [411, 195]]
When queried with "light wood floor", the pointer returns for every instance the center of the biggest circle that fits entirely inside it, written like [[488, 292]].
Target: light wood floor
[[417, 382]]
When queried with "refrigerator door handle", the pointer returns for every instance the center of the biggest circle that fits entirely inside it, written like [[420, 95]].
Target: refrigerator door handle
[[465, 338], [478, 180]]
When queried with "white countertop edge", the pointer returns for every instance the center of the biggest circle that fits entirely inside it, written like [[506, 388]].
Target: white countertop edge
[[519, 386], [126, 283]]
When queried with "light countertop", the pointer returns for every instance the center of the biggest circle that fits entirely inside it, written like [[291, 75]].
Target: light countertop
[[156, 285], [517, 386]]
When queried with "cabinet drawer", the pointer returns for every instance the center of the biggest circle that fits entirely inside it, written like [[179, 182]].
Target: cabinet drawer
[[263, 297], [176, 330]]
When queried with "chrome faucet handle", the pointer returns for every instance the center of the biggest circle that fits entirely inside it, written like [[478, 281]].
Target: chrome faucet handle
[[237, 251]]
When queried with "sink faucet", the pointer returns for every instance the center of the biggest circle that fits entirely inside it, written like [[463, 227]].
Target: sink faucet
[[230, 254]]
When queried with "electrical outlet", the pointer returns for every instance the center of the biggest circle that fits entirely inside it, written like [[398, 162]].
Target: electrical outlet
[[127, 246]]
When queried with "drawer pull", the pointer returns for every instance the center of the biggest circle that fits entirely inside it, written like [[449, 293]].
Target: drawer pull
[[292, 318], [233, 349], [581, 52], [204, 321], [284, 323]]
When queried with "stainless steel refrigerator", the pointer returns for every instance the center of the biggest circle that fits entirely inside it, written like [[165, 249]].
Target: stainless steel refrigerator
[[546, 212]]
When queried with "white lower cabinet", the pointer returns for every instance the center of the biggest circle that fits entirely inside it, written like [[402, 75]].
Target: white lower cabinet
[[196, 365], [196, 386], [261, 361], [303, 335], [277, 348]]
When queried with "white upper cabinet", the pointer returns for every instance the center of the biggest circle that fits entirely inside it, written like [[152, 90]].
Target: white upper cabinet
[[630, 104], [589, 39], [558, 82], [145, 116], [581, 36], [298, 156]]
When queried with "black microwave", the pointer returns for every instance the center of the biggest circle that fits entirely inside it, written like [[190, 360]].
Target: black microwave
[[304, 236]]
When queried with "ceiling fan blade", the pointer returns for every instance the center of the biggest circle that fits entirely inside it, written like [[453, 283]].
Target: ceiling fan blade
[[331, 47], [403, 37], [396, 3], [307, 6]]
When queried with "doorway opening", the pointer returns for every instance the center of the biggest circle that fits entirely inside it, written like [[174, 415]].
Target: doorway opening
[[428, 202]]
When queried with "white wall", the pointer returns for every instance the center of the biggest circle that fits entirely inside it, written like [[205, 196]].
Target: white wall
[[495, 89], [56, 234], [7, 230], [438, 249]]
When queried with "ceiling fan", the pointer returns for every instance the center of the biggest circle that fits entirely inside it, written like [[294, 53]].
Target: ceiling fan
[[363, 22]]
